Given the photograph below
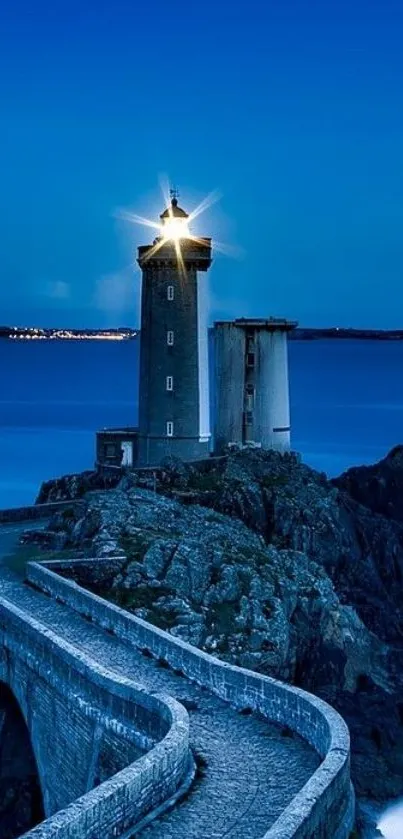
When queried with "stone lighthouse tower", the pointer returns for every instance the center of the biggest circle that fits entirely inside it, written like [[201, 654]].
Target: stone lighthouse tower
[[173, 387]]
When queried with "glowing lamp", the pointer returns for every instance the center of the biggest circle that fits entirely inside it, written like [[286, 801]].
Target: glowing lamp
[[174, 228], [174, 224]]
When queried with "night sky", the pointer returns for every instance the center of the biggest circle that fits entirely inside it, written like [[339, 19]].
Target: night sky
[[292, 110]]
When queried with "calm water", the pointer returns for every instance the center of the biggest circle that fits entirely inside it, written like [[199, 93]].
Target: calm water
[[346, 399]]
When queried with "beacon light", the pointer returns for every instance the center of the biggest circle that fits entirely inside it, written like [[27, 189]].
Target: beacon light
[[174, 221], [175, 228]]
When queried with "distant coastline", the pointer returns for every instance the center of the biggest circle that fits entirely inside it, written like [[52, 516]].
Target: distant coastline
[[301, 334], [34, 333], [31, 333]]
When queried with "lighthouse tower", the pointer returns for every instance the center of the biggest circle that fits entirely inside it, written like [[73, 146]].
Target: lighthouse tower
[[173, 385]]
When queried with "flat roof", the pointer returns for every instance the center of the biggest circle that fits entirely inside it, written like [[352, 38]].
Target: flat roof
[[129, 430], [259, 323]]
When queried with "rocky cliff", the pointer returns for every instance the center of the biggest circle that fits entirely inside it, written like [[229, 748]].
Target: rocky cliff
[[263, 561], [379, 487]]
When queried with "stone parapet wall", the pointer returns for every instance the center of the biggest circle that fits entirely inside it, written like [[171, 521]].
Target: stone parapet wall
[[72, 705], [324, 808]]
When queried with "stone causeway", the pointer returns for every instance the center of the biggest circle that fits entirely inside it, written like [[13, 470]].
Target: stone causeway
[[136, 732]]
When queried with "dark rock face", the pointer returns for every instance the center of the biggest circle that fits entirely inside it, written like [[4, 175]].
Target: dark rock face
[[20, 794], [294, 507], [378, 487], [74, 486], [266, 563]]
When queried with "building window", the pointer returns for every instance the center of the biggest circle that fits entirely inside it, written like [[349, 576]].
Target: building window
[[170, 382], [250, 359], [110, 450], [250, 343], [249, 418], [170, 338], [170, 429], [170, 292]]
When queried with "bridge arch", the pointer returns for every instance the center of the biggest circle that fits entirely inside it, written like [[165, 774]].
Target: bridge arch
[[21, 804]]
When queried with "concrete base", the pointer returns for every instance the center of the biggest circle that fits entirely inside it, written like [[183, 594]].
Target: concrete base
[[153, 450]]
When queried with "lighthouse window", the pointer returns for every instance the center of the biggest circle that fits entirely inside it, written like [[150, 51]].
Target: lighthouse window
[[170, 429], [249, 418], [170, 292], [170, 382], [170, 338], [250, 342], [249, 397], [250, 359]]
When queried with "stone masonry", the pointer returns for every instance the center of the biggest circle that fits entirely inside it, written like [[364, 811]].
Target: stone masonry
[[85, 652]]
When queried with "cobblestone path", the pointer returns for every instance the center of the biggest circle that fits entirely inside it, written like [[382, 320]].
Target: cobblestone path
[[251, 771]]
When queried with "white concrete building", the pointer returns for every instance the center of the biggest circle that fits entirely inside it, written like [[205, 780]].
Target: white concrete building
[[251, 391]]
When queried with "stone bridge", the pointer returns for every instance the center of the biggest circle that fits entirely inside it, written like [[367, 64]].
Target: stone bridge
[[136, 732]]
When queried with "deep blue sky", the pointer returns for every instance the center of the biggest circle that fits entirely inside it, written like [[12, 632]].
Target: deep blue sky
[[293, 109]]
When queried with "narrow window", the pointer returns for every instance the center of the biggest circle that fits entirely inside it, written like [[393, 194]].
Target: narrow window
[[249, 397], [250, 359], [249, 418], [170, 382], [170, 292], [170, 429], [170, 338]]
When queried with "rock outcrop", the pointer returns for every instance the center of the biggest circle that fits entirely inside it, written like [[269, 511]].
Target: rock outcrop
[[379, 487], [263, 561], [70, 487]]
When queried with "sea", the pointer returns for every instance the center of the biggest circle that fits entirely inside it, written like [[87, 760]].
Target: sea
[[346, 404], [346, 410]]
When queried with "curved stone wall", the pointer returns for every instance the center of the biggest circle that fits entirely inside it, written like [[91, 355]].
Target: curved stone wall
[[324, 808], [68, 702]]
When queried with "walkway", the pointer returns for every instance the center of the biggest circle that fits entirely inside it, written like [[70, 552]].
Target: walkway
[[250, 770]]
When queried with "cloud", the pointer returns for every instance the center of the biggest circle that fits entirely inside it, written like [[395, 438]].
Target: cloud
[[115, 292], [58, 290]]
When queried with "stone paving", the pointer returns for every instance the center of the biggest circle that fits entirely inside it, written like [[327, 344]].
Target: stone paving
[[250, 770]]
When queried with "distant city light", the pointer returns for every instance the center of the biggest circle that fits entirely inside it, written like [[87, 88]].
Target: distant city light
[[34, 333]]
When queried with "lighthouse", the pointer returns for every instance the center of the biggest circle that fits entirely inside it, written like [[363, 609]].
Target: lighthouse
[[249, 381], [174, 415]]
